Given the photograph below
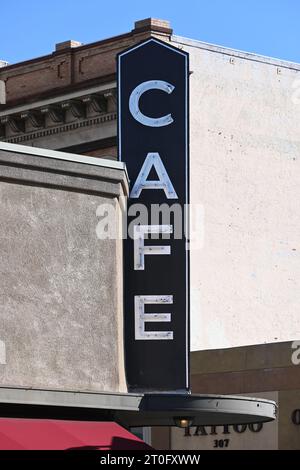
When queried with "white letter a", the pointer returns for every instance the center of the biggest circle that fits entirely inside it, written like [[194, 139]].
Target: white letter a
[[163, 182]]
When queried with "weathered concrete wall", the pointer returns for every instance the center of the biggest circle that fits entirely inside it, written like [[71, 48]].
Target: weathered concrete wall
[[245, 172], [61, 288]]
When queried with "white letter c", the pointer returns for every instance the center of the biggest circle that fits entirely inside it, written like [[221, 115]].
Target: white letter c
[[135, 98]]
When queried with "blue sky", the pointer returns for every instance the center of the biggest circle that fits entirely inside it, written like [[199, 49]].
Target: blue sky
[[30, 28]]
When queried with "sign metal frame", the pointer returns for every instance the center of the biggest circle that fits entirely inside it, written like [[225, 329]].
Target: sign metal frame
[[126, 112]]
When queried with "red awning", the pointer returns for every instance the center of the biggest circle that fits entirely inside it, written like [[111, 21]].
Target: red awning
[[47, 434]]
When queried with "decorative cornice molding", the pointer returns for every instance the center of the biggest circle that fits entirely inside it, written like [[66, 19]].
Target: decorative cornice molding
[[68, 93], [97, 102], [76, 107], [111, 94], [36, 119], [51, 118], [15, 123], [64, 128], [55, 112]]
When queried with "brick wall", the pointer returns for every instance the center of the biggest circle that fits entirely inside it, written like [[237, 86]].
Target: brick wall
[[71, 65], [110, 152]]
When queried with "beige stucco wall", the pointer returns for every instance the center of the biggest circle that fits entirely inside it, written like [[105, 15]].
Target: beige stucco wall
[[61, 287], [245, 174]]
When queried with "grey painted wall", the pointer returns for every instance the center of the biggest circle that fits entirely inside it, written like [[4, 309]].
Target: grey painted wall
[[60, 286]]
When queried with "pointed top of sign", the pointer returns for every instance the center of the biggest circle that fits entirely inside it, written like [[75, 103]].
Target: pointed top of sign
[[151, 40]]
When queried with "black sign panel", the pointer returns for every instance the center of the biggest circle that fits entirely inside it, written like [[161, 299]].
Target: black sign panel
[[153, 142]]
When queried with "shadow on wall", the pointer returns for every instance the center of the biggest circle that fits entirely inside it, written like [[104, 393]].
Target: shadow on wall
[[118, 443]]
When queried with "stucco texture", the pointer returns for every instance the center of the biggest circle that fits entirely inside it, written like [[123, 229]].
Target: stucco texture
[[245, 175], [60, 312]]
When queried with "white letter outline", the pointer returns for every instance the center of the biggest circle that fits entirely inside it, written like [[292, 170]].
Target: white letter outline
[[163, 182], [141, 317], [135, 98], [140, 250]]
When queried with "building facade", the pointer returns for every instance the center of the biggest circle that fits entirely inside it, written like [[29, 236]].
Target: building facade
[[244, 128], [244, 260], [269, 371]]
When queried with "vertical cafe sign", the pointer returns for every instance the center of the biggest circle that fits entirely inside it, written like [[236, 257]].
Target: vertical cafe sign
[[153, 142]]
